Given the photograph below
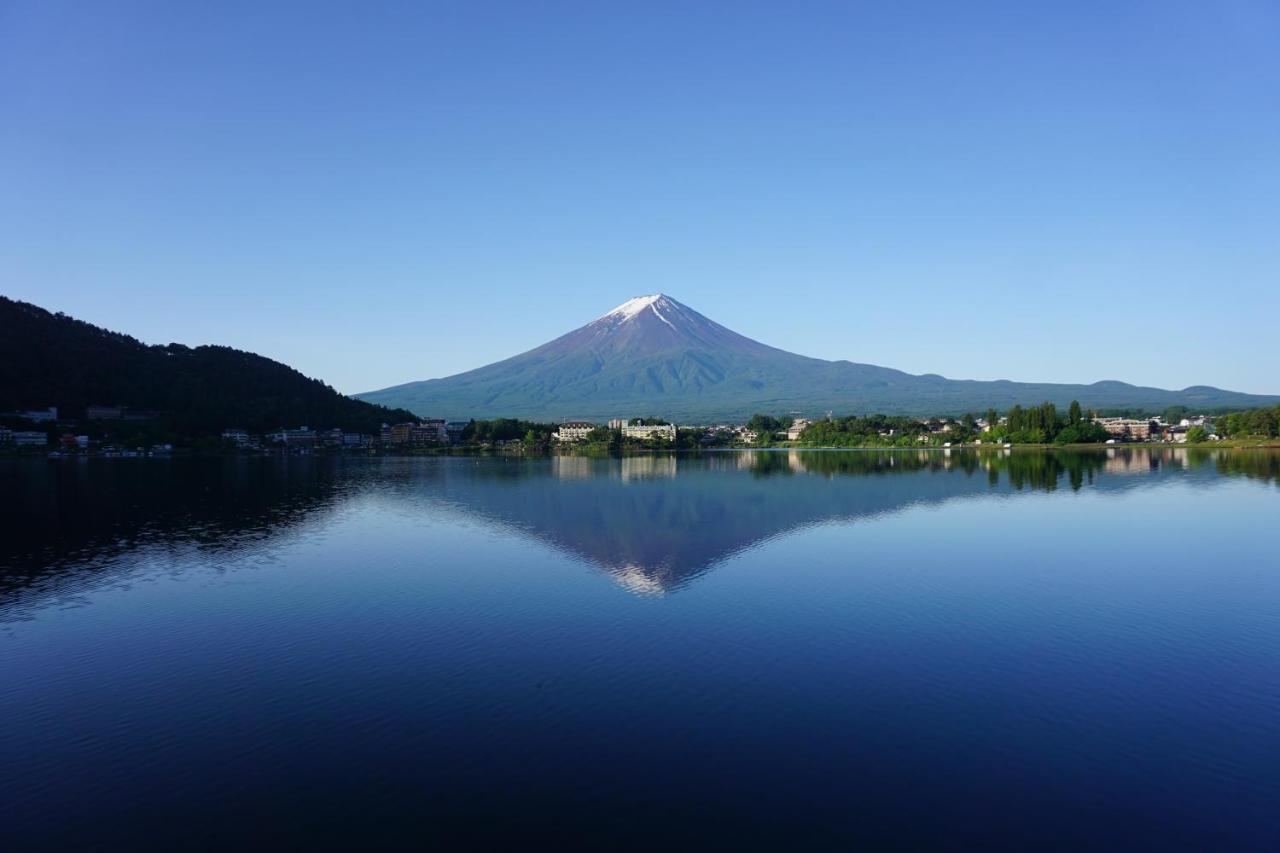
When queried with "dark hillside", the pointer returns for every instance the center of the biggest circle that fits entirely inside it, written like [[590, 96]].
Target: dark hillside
[[51, 359]]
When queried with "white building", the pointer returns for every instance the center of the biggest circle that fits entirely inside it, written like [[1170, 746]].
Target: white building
[[667, 431], [797, 426], [303, 437], [573, 431], [30, 438], [238, 437]]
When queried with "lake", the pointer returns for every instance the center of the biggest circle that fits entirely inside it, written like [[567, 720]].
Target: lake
[[1068, 650]]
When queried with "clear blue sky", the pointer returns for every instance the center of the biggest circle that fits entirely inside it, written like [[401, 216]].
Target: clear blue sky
[[378, 192]]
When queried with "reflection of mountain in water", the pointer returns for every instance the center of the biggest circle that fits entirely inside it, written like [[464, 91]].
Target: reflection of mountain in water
[[654, 522]]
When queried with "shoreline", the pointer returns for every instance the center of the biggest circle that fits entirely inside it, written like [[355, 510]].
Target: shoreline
[[1225, 444], [185, 453]]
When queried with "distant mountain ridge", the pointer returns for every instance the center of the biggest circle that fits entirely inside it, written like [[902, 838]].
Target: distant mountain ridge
[[51, 359], [654, 355]]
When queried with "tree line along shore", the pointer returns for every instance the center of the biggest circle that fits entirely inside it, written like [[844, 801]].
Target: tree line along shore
[[1040, 425]]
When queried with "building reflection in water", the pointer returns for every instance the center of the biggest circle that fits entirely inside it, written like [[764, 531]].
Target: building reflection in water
[[681, 515], [572, 467], [653, 522], [651, 467]]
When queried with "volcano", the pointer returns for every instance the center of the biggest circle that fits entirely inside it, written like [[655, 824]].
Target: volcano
[[653, 355]]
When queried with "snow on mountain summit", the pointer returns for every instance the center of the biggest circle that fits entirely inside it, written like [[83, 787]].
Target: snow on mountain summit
[[652, 324], [654, 354], [637, 304]]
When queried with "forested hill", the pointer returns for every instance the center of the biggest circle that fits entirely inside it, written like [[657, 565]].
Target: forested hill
[[54, 360]]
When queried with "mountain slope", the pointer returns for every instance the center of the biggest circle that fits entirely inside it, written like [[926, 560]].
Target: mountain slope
[[653, 355], [53, 360]]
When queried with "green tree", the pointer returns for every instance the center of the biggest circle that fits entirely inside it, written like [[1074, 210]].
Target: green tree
[[1016, 419], [1197, 434], [603, 435], [1074, 415], [764, 424]]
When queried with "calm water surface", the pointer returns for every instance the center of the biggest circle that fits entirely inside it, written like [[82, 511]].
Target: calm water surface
[[736, 650]]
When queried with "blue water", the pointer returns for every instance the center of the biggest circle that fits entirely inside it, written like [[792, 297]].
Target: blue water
[[733, 650]]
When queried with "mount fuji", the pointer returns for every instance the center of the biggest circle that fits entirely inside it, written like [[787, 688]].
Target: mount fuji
[[653, 355]]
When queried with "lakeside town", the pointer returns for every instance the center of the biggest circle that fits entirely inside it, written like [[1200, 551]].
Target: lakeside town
[[99, 431]]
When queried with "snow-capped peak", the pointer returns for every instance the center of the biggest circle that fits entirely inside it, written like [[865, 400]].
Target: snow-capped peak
[[635, 305]]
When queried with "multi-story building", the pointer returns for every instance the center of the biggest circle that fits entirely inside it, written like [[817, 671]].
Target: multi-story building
[[30, 438], [430, 431], [433, 431], [797, 426], [295, 439], [454, 430], [1129, 428], [617, 423], [667, 431], [573, 431], [239, 437], [352, 440], [401, 433], [329, 437]]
